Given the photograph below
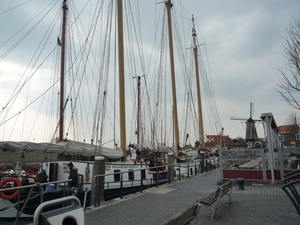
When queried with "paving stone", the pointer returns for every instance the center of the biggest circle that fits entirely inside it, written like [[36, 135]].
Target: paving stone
[[265, 204]]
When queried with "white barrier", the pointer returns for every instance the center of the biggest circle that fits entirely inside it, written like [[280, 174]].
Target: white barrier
[[71, 214]]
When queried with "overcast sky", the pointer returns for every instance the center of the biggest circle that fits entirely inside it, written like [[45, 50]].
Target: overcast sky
[[244, 40], [244, 43]]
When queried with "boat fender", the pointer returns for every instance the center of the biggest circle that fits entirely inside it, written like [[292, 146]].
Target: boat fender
[[3, 182]]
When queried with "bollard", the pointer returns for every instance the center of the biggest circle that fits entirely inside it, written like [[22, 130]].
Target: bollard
[[97, 192], [240, 182]]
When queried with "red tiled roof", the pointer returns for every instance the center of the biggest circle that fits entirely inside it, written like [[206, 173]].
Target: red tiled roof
[[287, 128], [215, 140]]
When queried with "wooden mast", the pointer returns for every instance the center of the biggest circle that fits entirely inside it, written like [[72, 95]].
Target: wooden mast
[[121, 79], [175, 116], [138, 109], [195, 48], [62, 74]]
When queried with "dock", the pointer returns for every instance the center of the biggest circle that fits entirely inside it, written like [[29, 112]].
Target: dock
[[259, 203]]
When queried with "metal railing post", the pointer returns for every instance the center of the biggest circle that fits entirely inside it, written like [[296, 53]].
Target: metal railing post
[[97, 192], [156, 183], [121, 185], [202, 166], [179, 172], [169, 174], [141, 174]]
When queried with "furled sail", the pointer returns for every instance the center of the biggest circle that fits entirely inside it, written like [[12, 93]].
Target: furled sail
[[67, 147]]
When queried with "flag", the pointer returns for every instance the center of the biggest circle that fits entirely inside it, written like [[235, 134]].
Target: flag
[[58, 41]]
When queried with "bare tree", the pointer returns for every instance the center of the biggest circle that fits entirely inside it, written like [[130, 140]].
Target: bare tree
[[289, 84], [293, 119], [293, 127]]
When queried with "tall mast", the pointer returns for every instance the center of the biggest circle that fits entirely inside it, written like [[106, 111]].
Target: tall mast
[[62, 74], [121, 78], [138, 109], [198, 85], [175, 116]]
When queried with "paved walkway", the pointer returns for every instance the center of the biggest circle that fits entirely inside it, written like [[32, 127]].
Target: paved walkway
[[257, 204]]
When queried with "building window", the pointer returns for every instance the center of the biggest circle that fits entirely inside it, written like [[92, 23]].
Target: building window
[[281, 137]]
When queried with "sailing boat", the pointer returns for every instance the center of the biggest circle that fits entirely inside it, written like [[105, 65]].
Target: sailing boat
[[78, 70], [66, 147], [192, 124]]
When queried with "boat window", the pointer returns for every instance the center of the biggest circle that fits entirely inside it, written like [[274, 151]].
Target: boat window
[[131, 175], [143, 174], [117, 175]]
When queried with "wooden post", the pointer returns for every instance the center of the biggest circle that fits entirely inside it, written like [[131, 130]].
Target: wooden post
[[171, 161], [98, 184]]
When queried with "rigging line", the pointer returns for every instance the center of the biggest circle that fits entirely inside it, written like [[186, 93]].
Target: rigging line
[[57, 118], [139, 46], [106, 66], [34, 120], [12, 131], [181, 57], [154, 41], [182, 8], [54, 97], [84, 69], [83, 46], [186, 118], [132, 64], [1, 123], [74, 125], [32, 70], [191, 102], [29, 79], [212, 89], [140, 34], [210, 80], [14, 94], [211, 96], [140, 50], [25, 35], [71, 67], [27, 96], [14, 7], [57, 125], [159, 83]]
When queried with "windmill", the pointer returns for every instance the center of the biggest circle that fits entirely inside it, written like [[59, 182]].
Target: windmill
[[251, 133]]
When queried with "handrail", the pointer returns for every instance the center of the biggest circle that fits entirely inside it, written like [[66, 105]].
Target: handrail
[[51, 203], [185, 165], [180, 167], [35, 185]]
